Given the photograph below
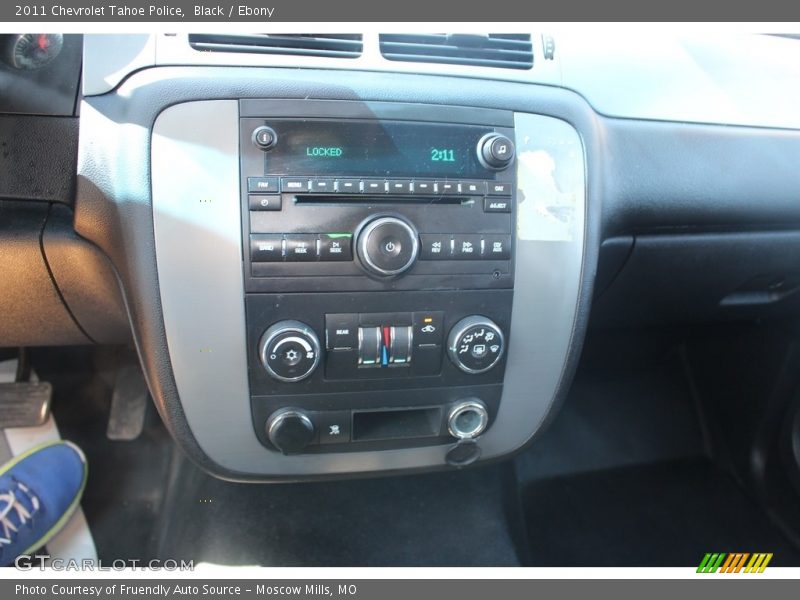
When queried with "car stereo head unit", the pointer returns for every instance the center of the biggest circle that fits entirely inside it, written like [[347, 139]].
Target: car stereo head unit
[[376, 204]]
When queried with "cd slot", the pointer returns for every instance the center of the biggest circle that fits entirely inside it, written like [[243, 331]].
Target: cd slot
[[364, 199]]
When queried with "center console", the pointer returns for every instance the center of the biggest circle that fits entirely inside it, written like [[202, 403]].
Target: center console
[[379, 273], [351, 286]]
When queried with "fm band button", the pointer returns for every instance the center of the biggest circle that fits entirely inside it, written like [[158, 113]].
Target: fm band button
[[266, 248]]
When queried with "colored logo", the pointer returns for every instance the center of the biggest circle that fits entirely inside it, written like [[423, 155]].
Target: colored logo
[[736, 562]]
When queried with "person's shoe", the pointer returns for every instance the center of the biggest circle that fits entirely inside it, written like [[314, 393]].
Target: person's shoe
[[39, 491]]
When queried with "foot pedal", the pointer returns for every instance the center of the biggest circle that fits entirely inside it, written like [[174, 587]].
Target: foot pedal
[[128, 405], [24, 404]]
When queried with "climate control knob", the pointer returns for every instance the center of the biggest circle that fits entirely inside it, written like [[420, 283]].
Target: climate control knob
[[495, 151], [289, 351], [290, 430], [387, 246], [475, 344]]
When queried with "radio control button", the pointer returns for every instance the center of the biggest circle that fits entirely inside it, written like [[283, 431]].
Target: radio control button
[[294, 184], [424, 188], [374, 186], [467, 247], [448, 188], [264, 137], [497, 247], [264, 202], [301, 247], [499, 189], [477, 188], [263, 185], [348, 186], [427, 328], [399, 186], [341, 331], [266, 248], [335, 246], [387, 246], [435, 246], [497, 205], [322, 185]]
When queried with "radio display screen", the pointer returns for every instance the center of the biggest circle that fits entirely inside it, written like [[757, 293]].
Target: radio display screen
[[376, 148]]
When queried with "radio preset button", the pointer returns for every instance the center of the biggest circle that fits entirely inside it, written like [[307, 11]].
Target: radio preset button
[[348, 186], [473, 187], [372, 186], [499, 189], [400, 186], [424, 188], [335, 246], [266, 248], [294, 184], [263, 185], [264, 202], [435, 246], [301, 247], [322, 185], [448, 188], [497, 205]]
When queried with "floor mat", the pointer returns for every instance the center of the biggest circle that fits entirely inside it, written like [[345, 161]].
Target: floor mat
[[664, 514], [453, 519]]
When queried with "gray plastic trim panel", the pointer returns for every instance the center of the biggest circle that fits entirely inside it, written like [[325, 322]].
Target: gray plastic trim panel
[[199, 260]]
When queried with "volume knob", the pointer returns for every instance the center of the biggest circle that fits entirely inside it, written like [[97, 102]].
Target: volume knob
[[387, 246]]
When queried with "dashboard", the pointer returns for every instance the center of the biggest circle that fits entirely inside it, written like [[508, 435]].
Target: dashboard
[[342, 260]]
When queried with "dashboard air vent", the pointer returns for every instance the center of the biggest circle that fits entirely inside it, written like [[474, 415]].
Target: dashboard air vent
[[502, 50], [302, 44]]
